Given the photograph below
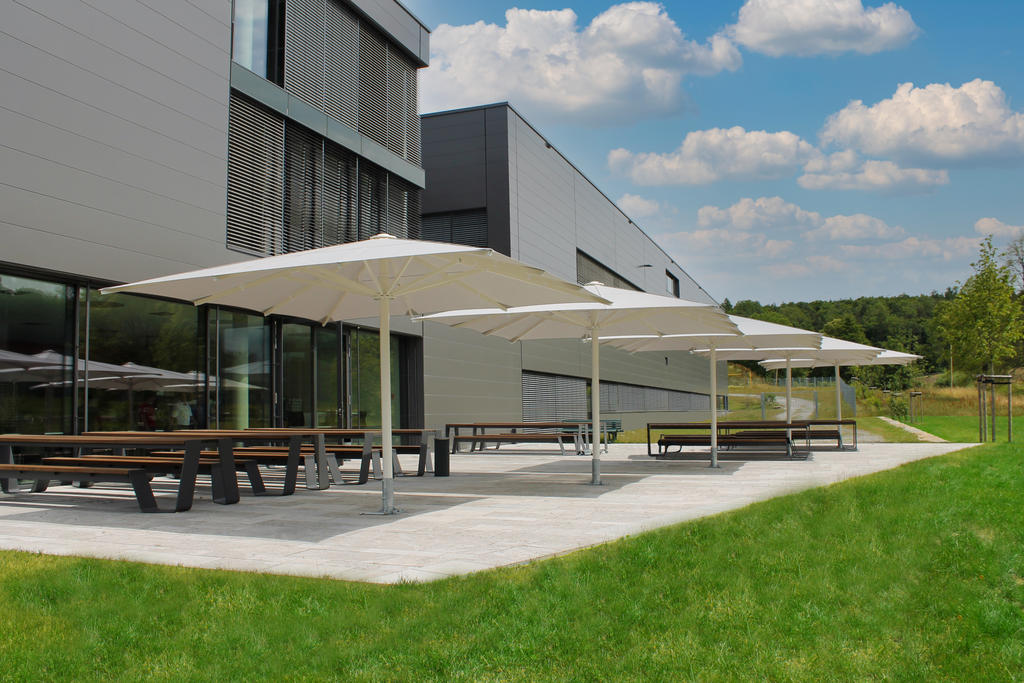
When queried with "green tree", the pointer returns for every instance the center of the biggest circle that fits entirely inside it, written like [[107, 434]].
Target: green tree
[[984, 322], [845, 327]]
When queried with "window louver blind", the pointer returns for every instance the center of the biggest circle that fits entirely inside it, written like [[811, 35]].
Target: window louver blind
[[340, 192], [458, 227], [401, 92], [372, 191], [403, 208], [341, 73], [553, 397], [255, 178], [303, 191], [373, 85], [343, 66], [624, 398], [305, 50]]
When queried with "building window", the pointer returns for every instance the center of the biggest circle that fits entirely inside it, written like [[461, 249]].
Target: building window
[[343, 66], [672, 284], [589, 270], [257, 38], [457, 227], [291, 190]]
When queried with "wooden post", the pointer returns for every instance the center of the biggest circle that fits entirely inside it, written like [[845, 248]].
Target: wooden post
[[1009, 410], [981, 411], [992, 406]]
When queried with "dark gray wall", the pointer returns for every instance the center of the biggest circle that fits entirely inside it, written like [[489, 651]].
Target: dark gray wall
[[465, 158]]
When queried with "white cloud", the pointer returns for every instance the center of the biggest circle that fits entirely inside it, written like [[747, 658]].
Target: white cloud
[[635, 206], [856, 227], [773, 214], [628, 63], [997, 228], [763, 213], [844, 171], [771, 249], [815, 27], [706, 156], [737, 243], [913, 249], [934, 125]]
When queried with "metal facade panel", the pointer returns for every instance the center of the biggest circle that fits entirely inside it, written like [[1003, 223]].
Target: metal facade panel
[[469, 377], [454, 160], [123, 111], [544, 201]]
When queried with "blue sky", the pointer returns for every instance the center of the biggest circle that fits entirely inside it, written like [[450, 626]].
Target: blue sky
[[778, 149]]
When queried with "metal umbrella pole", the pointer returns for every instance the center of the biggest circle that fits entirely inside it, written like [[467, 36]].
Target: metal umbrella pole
[[839, 398], [595, 403], [714, 409]]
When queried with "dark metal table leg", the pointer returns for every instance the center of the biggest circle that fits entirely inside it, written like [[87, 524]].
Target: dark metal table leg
[[189, 471]]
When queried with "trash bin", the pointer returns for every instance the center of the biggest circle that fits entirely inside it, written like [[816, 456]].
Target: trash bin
[[442, 458]]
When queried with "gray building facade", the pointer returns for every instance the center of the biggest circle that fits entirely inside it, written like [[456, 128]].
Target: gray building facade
[[493, 180], [142, 138]]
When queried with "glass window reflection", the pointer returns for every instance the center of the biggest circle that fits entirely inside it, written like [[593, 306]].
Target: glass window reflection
[[36, 355], [143, 364]]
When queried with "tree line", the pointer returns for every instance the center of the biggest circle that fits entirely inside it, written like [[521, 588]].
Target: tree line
[[979, 323]]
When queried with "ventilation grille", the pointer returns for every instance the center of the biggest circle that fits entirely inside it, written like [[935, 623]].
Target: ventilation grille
[[553, 398], [255, 179]]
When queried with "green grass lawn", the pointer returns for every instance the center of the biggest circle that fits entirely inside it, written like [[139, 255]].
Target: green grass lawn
[[914, 574], [888, 433], [964, 428]]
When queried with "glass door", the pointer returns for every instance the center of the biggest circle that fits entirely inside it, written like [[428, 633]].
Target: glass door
[[296, 404], [330, 411]]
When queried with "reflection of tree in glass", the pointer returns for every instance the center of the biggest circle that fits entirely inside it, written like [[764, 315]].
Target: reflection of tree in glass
[[34, 317], [150, 332], [366, 379]]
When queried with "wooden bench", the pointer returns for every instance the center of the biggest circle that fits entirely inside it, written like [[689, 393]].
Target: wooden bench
[[475, 440], [367, 453], [725, 441], [167, 465], [43, 474]]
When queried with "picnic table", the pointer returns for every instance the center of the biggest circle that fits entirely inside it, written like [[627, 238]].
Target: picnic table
[[367, 434], [224, 482], [541, 432], [751, 433]]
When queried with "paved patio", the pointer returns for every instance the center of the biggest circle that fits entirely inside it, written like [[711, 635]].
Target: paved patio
[[494, 510]]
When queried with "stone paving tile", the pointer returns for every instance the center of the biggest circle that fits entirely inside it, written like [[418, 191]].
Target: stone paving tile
[[496, 510]]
